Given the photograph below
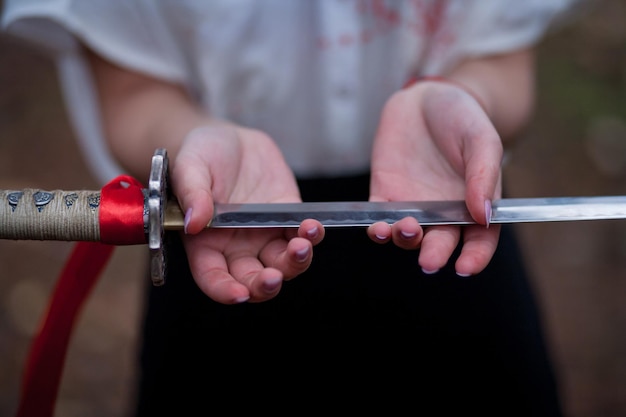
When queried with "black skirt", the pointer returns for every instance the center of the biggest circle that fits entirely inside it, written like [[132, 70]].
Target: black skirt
[[363, 328]]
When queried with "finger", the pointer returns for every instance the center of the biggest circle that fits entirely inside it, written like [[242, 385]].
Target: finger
[[479, 245], [437, 246], [291, 259], [379, 232], [191, 182], [210, 271], [407, 233], [312, 230], [262, 283]]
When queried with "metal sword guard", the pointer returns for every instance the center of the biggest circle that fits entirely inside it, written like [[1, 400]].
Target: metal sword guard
[[158, 191]]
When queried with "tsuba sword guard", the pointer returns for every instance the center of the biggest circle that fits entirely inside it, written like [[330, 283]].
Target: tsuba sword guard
[[158, 188]]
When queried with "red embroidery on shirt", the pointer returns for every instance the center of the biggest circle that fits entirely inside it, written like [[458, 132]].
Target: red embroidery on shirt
[[346, 39], [432, 25], [384, 13], [427, 21], [430, 14]]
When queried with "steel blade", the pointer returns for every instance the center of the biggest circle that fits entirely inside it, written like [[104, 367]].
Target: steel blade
[[556, 209], [428, 213]]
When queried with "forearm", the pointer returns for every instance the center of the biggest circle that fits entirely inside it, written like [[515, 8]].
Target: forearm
[[505, 85], [140, 114]]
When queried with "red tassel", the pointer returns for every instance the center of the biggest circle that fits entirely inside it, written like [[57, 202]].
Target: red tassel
[[121, 222], [46, 358]]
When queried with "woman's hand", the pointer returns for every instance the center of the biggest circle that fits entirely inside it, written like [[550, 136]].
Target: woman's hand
[[435, 142], [229, 164]]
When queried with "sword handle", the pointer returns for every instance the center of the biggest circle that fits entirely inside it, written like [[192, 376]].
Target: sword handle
[[32, 214]]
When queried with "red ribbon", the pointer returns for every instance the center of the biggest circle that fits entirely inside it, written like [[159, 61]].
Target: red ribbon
[[121, 223], [121, 212], [44, 365]]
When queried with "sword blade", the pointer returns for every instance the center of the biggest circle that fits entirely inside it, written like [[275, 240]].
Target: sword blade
[[428, 213]]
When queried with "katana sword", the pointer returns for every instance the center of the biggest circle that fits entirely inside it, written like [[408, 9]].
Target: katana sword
[[32, 214]]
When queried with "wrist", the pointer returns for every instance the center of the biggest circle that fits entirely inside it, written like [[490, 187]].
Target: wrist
[[445, 80]]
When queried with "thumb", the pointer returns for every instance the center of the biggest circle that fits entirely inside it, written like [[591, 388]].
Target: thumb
[[483, 172], [191, 184]]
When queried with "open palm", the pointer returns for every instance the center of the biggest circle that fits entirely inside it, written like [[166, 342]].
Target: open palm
[[435, 142], [235, 165]]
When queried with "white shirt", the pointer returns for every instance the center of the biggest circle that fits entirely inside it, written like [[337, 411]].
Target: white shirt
[[313, 74]]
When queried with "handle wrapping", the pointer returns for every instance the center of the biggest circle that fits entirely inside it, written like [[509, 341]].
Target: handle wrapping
[[32, 214]]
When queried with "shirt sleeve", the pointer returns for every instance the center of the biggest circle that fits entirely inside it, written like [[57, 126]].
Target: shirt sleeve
[[117, 30], [129, 33], [475, 28], [497, 26]]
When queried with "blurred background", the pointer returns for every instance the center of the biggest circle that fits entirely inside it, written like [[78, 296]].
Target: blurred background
[[575, 146]]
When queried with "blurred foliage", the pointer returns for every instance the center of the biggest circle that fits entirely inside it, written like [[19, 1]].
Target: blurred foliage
[[582, 66]]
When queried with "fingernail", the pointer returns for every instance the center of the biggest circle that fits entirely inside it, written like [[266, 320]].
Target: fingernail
[[312, 233], [463, 275], [379, 237], [488, 212], [407, 235], [241, 300], [430, 271], [272, 283], [302, 254], [187, 219]]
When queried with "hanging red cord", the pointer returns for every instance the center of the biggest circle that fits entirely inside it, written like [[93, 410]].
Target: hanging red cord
[[121, 223]]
